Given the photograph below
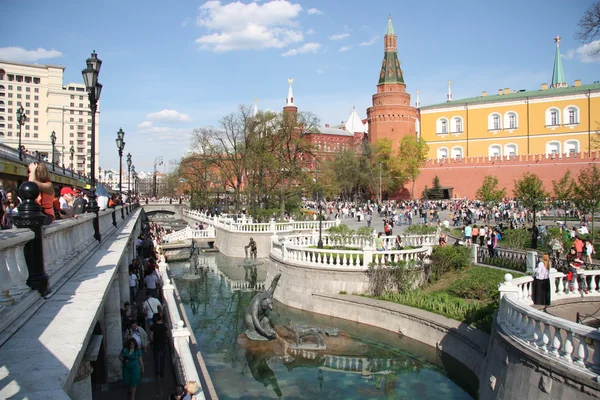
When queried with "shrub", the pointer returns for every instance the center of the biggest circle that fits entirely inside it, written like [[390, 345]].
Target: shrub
[[478, 284], [515, 239], [420, 230], [340, 234], [395, 277], [447, 258]]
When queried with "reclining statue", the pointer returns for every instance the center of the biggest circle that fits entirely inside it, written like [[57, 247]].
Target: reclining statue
[[258, 324]]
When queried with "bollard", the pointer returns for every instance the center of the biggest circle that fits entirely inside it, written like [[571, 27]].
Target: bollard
[[30, 216], [122, 213], [114, 216]]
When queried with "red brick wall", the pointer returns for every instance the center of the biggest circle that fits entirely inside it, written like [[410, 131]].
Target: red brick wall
[[466, 176]]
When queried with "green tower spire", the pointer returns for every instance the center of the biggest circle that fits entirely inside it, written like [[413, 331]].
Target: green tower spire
[[558, 74], [390, 67]]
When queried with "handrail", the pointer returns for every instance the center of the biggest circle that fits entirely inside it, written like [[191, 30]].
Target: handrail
[[559, 340]]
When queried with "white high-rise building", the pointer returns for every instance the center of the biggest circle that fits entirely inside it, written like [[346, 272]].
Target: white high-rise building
[[49, 106]]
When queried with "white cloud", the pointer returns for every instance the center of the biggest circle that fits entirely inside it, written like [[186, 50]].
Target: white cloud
[[248, 26], [314, 11], [320, 71], [369, 42], [169, 115], [145, 125], [20, 54], [584, 52], [339, 36], [310, 31], [306, 48], [344, 48]]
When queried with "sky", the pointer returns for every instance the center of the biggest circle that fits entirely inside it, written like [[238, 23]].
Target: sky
[[169, 67]]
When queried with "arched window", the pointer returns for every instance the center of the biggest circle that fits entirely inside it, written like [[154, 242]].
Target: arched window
[[457, 152], [442, 152], [511, 120], [442, 126], [571, 115], [553, 148], [552, 117], [494, 122], [457, 125], [511, 150], [571, 147], [495, 150]]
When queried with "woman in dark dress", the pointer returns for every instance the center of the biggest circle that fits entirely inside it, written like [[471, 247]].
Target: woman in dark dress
[[541, 282]]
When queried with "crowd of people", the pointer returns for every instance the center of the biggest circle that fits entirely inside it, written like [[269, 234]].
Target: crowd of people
[[143, 319], [57, 202]]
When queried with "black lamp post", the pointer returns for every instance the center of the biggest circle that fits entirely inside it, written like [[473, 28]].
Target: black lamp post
[[83, 169], [99, 174], [94, 88], [120, 145], [53, 140], [133, 176], [72, 151], [320, 242], [21, 119], [128, 175]]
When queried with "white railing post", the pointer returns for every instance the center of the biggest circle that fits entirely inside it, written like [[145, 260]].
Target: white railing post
[[367, 256], [531, 261], [474, 249]]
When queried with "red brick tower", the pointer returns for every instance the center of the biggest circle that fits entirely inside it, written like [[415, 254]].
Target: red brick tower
[[391, 116]]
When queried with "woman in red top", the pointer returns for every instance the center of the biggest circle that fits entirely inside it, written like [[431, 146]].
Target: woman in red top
[[38, 173]]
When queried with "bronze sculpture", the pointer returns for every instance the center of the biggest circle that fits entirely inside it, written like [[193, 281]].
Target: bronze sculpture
[[258, 324]]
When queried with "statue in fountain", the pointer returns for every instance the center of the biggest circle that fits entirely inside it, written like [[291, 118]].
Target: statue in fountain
[[252, 246], [258, 324], [302, 331]]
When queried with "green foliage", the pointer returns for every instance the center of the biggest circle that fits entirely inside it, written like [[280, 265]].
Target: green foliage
[[478, 284], [515, 239], [340, 233], [563, 189], [530, 192], [436, 192], [419, 229], [587, 191], [445, 259], [412, 155], [342, 292], [489, 192], [365, 232], [395, 277]]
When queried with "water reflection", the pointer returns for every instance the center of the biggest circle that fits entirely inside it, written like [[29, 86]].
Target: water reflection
[[362, 362]]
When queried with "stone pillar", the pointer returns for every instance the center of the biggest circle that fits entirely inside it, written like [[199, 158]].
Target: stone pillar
[[474, 248], [123, 277], [531, 261], [113, 332], [81, 389]]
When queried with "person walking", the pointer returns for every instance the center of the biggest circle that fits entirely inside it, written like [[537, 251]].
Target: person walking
[[158, 337], [541, 282], [133, 366]]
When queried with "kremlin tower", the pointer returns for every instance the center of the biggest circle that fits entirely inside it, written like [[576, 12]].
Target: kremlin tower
[[391, 116]]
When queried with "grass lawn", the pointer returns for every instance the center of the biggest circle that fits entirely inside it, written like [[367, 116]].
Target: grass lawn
[[469, 295]]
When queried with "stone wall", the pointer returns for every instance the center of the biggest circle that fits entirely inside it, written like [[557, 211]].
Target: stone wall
[[512, 372], [231, 243]]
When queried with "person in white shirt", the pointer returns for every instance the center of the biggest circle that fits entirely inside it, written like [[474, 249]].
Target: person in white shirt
[[151, 306], [541, 283], [133, 282], [151, 281]]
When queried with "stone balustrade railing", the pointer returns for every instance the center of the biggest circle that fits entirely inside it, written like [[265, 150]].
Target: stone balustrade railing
[[241, 224], [13, 267], [181, 336], [359, 242], [65, 243], [305, 253], [411, 240], [190, 233], [561, 341]]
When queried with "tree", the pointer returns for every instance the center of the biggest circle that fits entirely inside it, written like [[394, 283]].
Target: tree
[[587, 192], [436, 192], [529, 191], [489, 192], [412, 155], [563, 189], [588, 28]]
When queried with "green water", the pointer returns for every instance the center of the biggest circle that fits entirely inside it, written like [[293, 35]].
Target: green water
[[374, 363]]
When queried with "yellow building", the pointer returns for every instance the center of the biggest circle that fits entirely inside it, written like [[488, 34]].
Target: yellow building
[[559, 119]]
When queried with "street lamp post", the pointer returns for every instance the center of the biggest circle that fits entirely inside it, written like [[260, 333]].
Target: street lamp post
[[380, 192], [320, 242], [133, 175], [72, 151], [53, 140], [128, 175], [94, 88], [99, 174], [21, 119], [120, 145]]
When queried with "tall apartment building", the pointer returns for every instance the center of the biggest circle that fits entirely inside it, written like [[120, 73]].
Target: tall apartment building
[[49, 106]]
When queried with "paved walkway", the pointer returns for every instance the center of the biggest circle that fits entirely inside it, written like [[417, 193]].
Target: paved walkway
[[588, 311], [151, 387]]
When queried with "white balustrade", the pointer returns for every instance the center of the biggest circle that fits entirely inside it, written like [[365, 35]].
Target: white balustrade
[[13, 268], [190, 233], [557, 339]]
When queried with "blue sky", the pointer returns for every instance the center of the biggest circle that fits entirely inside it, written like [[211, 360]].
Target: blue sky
[[171, 66]]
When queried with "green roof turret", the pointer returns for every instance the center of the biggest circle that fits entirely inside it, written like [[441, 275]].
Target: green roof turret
[[558, 74], [390, 27], [390, 67]]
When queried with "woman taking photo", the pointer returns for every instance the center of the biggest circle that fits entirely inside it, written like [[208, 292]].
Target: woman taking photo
[[541, 282], [38, 173], [133, 366]]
